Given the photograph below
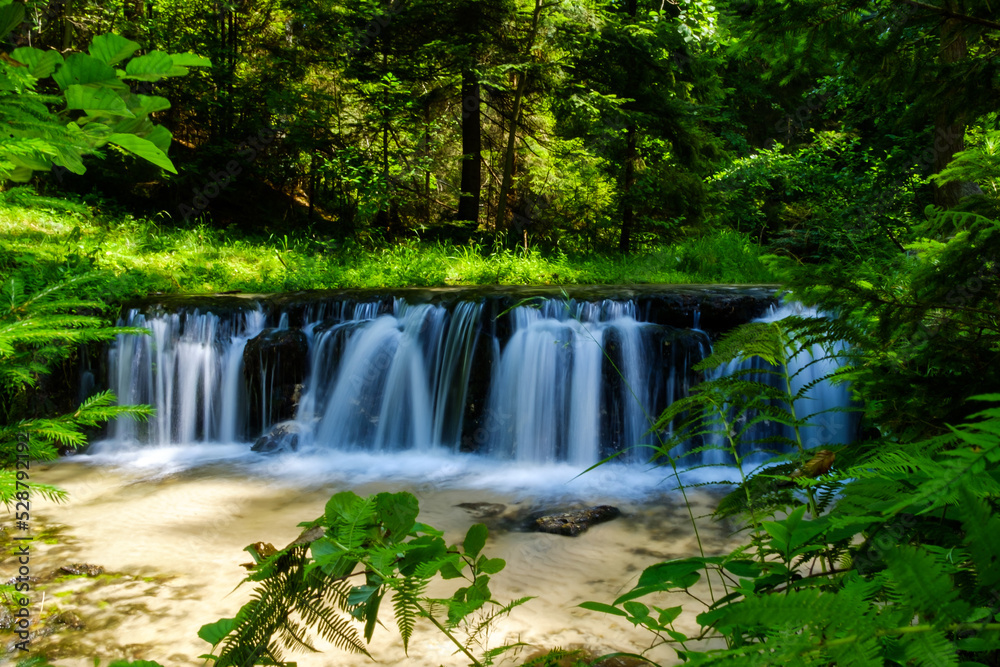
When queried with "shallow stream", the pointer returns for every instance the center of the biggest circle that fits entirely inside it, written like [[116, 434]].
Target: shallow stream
[[171, 544]]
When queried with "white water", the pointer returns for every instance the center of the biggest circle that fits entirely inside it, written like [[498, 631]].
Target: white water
[[190, 368], [563, 386]]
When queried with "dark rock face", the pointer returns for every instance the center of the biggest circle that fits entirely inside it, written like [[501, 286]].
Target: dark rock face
[[718, 307], [575, 522], [283, 437], [274, 365]]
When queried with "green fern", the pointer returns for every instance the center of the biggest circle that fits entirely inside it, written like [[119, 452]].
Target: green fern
[[332, 580], [37, 331], [901, 570]]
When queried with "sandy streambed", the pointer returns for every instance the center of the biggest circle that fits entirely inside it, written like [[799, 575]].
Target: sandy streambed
[[171, 546]]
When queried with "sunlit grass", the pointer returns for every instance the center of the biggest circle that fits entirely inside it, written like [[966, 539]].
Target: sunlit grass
[[45, 238]]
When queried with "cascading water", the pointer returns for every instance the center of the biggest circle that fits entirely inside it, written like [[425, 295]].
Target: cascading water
[[824, 406], [190, 368], [578, 384], [557, 381], [391, 382]]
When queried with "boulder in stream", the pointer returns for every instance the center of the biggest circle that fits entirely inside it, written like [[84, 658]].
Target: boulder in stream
[[575, 522], [282, 437]]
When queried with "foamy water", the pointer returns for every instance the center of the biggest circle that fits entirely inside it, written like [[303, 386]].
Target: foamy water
[[438, 467]]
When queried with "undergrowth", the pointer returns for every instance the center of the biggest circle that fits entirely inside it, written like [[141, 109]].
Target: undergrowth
[[43, 240]]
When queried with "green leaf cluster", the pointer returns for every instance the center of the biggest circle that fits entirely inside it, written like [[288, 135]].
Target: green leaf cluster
[[94, 103], [902, 570], [334, 578]]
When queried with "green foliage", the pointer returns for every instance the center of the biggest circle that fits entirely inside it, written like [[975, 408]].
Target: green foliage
[[900, 569], [923, 324], [334, 577], [38, 331], [820, 202], [94, 106], [979, 165], [752, 385]]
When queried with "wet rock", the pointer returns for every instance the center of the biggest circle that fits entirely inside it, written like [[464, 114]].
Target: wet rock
[[575, 522], [577, 655], [274, 365], [6, 618], [82, 569], [68, 618], [282, 437]]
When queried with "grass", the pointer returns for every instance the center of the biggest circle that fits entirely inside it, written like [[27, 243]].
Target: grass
[[44, 239]]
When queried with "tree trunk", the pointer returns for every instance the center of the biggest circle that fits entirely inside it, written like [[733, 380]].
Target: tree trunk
[[949, 125], [628, 177], [472, 149], [67, 26], [508, 162], [427, 172], [628, 180]]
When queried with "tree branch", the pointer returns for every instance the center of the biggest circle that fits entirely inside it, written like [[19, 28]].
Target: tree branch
[[952, 15]]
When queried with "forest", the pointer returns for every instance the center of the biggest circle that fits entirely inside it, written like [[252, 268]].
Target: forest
[[846, 152]]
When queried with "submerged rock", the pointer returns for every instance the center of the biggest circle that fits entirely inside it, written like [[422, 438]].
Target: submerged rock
[[483, 510], [575, 522], [283, 437], [70, 619], [82, 569]]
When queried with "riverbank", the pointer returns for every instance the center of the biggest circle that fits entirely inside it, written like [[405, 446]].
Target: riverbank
[[171, 548]]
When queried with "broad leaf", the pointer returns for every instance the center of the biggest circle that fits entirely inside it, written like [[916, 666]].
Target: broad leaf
[[160, 137], [148, 104], [398, 512], [190, 60], [604, 608], [214, 633], [81, 69], [671, 574], [40, 63], [492, 565], [144, 149], [111, 49], [475, 539], [743, 568], [95, 100], [11, 16], [152, 67], [339, 506]]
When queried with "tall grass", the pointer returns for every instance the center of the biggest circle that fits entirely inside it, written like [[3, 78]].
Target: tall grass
[[43, 239]]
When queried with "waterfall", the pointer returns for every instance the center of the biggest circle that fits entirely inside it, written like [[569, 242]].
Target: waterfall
[[190, 368], [550, 380]]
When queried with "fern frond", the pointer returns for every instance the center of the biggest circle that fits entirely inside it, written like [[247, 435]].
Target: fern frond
[[929, 649], [359, 518], [8, 489], [917, 577], [406, 603], [487, 620]]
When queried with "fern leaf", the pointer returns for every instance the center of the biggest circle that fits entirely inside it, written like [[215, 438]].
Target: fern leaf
[[406, 604], [929, 649]]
